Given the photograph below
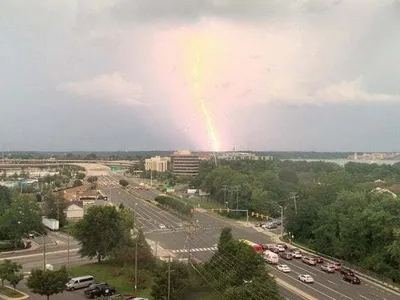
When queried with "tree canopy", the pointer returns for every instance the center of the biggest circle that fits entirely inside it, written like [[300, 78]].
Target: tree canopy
[[102, 230], [46, 282], [334, 209]]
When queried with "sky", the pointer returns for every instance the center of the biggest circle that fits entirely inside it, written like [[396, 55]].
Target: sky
[[278, 75]]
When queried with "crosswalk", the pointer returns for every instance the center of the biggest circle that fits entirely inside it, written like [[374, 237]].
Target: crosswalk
[[195, 250]]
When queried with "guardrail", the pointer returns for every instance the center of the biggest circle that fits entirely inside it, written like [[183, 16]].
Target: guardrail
[[372, 276]]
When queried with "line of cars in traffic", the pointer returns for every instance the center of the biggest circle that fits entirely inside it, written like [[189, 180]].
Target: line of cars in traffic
[[93, 289], [327, 267]]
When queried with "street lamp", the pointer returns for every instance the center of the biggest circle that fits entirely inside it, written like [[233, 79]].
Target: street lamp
[[44, 248], [281, 207]]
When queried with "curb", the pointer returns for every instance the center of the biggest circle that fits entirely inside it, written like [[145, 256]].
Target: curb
[[34, 246], [25, 296]]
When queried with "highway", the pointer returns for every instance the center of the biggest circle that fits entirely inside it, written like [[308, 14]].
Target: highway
[[204, 234]]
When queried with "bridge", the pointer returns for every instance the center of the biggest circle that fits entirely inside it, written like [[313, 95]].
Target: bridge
[[25, 163]]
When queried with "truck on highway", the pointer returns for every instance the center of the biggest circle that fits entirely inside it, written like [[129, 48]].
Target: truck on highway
[[51, 224], [271, 257]]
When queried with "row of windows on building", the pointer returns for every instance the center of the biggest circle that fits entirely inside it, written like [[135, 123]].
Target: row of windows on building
[[183, 163]]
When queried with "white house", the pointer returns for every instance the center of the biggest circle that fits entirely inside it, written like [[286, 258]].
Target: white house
[[379, 190], [74, 210]]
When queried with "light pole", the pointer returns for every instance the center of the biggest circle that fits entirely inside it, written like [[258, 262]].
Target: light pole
[[44, 248], [281, 207]]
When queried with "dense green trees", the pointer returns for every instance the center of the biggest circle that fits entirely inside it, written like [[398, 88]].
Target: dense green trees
[[101, 231], [337, 212], [238, 272], [18, 218], [46, 282], [175, 204]]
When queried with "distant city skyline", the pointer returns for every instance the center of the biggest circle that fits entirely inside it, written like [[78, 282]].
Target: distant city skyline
[[108, 75]]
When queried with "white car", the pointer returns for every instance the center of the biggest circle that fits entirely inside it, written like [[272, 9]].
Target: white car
[[162, 226], [297, 254], [284, 268], [306, 278], [280, 248]]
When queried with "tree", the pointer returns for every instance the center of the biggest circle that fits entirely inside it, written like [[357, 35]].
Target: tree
[[234, 266], [47, 283], [101, 231], [5, 198], [8, 269], [77, 182], [54, 207], [20, 218], [123, 183], [179, 281], [92, 179], [14, 279]]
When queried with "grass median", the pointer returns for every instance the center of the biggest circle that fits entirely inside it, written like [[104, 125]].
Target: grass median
[[10, 293], [117, 277]]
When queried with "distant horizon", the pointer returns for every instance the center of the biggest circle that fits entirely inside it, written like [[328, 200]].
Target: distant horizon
[[192, 150]]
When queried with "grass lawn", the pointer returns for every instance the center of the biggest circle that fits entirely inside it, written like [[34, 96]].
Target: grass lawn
[[204, 202], [68, 229], [113, 275], [9, 292]]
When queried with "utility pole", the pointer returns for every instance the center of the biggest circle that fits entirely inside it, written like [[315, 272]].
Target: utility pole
[[135, 263], [69, 231], [169, 277], [281, 221], [225, 189]]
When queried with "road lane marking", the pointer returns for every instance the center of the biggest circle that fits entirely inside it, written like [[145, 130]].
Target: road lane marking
[[364, 297], [332, 282], [294, 289], [195, 250]]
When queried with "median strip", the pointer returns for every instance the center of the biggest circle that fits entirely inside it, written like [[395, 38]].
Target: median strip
[[40, 254]]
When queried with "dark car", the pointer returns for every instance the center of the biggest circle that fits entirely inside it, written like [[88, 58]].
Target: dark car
[[352, 279], [347, 271], [286, 255], [274, 249], [319, 259], [99, 290]]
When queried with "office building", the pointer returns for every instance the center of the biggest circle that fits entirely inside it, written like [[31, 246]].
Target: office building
[[185, 163], [157, 163]]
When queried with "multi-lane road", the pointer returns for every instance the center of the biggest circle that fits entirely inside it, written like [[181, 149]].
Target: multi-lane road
[[203, 233], [200, 235]]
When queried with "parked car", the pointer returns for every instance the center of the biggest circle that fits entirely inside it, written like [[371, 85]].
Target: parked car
[[309, 260], [284, 268], [352, 279], [286, 255], [346, 271], [306, 278], [162, 226], [99, 291], [328, 268]]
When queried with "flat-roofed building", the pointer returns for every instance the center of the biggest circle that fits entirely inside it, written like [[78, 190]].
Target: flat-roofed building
[[157, 163], [185, 163]]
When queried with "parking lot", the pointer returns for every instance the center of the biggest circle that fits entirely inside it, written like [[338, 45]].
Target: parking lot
[[66, 295]]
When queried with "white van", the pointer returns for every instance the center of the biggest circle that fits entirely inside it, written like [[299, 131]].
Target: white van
[[79, 282]]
